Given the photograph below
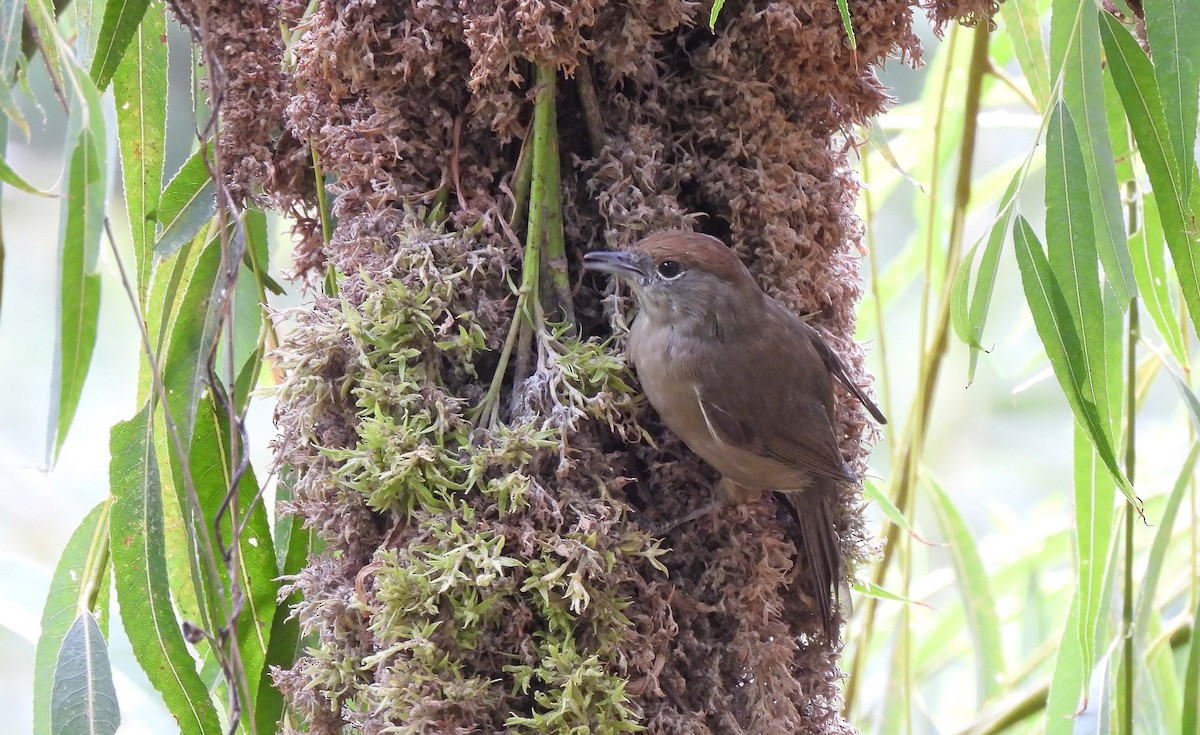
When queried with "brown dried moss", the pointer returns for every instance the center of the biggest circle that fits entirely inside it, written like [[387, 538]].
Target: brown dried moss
[[416, 111], [245, 80], [966, 12]]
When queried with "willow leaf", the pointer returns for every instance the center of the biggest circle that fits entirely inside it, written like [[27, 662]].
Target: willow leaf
[[84, 700], [1063, 345], [1135, 82], [140, 91], [60, 610], [187, 204], [79, 245], [1023, 25], [983, 620], [1147, 246], [141, 578], [969, 321], [1172, 27], [121, 22], [1094, 518]]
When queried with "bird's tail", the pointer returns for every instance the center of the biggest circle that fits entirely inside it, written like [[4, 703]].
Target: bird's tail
[[813, 511]]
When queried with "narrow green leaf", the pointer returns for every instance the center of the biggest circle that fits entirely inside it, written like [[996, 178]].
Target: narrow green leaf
[[1062, 343], [45, 28], [121, 22], [1162, 540], [79, 296], [247, 379], [1070, 245], [969, 321], [978, 601], [1124, 150], [11, 15], [212, 477], [243, 335], [141, 578], [1191, 681], [1094, 518], [258, 251], [84, 701], [1172, 27], [169, 285], [1158, 693], [1067, 682], [877, 139], [1134, 79], [1075, 37], [140, 91], [191, 340], [187, 204], [295, 543], [870, 589], [87, 15], [1096, 717], [873, 494], [1146, 245], [847, 25], [712, 15], [13, 179], [60, 611], [1022, 23], [1190, 402]]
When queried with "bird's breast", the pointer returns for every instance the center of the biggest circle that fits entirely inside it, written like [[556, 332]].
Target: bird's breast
[[670, 366]]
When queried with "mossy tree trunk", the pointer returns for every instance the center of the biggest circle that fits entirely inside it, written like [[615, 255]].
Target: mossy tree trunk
[[467, 439]]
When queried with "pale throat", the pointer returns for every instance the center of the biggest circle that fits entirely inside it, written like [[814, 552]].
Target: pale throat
[[707, 314]]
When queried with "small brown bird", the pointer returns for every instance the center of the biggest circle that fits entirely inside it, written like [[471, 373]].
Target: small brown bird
[[743, 382]]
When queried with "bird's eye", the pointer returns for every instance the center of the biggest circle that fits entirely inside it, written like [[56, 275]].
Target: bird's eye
[[669, 269]]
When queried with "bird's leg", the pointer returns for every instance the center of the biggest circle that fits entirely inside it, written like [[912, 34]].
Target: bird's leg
[[725, 494], [663, 528]]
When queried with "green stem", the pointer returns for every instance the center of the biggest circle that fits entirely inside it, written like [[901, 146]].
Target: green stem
[[536, 180], [323, 214], [1028, 701], [885, 387], [545, 201], [908, 454], [521, 180], [1130, 511], [95, 566], [590, 103]]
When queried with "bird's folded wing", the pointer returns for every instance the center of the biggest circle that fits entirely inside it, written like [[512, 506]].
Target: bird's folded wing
[[804, 438], [834, 365]]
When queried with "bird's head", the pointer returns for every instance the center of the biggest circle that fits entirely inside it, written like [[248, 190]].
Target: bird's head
[[680, 276]]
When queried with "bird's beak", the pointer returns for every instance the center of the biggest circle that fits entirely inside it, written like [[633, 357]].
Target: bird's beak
[[620, 263]]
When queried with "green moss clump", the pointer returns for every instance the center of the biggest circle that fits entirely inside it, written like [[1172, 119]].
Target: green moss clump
[[495, 596]]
